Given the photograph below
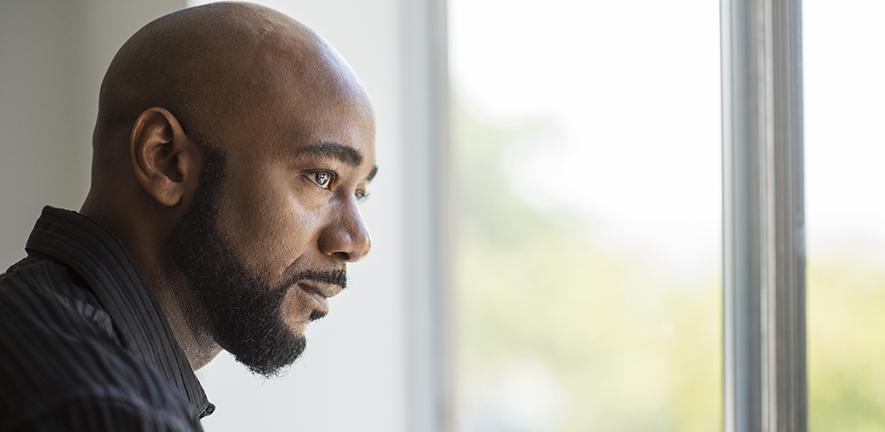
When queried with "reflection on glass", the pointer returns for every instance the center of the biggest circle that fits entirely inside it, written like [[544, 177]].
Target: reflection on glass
[[845, 152], [588, 169]]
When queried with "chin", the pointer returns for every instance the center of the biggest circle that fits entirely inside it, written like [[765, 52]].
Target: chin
[[296, 324]]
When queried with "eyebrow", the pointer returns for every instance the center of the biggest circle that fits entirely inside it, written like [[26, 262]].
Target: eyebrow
[[372, 173], [343, 153]]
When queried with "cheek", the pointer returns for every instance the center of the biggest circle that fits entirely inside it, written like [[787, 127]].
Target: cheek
[[268, 225]]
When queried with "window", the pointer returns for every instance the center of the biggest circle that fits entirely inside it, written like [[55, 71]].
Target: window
[[845, 150], [587, 156]]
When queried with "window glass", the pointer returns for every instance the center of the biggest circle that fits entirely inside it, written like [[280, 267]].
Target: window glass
[[844, 76], [588, 168]]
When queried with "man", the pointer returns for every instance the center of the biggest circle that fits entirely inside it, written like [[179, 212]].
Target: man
[[231, 149]]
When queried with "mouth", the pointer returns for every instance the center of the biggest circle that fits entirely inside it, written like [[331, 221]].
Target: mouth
[[318, 293]]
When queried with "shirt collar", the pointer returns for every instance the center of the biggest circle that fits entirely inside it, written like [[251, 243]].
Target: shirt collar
[[102, 261]]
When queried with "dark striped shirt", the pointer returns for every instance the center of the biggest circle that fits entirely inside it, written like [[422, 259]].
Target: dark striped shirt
[[83, 344]]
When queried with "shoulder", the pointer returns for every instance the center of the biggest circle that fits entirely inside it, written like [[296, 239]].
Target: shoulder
[[40, 298], [99, 414], [62, 357]]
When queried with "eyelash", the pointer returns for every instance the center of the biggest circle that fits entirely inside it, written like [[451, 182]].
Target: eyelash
[[333, 176], [361, 195]]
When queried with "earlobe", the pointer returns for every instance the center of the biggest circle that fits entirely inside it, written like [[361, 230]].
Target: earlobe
[[162, 156]]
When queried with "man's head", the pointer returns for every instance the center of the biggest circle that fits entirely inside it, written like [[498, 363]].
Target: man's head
[[231, 149]]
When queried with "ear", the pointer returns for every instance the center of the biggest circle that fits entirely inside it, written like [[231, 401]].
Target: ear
[[164, 160]]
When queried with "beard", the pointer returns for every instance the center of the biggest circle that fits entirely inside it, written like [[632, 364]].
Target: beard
[[244, 313]]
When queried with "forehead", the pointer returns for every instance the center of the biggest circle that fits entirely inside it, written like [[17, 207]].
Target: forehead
[[309, 95], [324, 121]]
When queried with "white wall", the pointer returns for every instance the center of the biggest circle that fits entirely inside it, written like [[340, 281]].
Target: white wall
[[38, 151], [353, 374], [52, 58]]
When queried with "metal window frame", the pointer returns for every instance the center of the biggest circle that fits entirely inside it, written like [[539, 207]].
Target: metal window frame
[[763, 205], [427, 203]]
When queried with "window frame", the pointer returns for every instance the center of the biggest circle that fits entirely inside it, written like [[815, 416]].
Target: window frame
[[428, 217], [765, 373]]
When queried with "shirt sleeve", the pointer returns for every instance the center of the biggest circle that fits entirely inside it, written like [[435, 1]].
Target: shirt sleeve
[[105, 415]]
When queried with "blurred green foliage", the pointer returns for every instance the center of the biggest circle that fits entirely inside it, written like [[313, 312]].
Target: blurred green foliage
[[622, 347], [846, 296], [626, 347]]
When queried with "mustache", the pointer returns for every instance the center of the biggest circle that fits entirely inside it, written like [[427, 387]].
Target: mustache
[[332, 277]]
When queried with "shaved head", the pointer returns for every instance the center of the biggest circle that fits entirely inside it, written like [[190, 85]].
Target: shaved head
[[211, 65], [231, 149]]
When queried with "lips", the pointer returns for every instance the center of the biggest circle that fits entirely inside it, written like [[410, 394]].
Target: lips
[[319, 293], [315, 295]]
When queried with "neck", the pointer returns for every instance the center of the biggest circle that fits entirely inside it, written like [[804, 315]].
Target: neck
[[177, 300], [186, 319]]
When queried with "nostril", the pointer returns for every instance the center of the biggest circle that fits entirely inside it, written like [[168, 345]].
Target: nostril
[[341, 256]]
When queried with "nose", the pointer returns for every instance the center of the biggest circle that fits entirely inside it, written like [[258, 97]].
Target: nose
[[346, 237]]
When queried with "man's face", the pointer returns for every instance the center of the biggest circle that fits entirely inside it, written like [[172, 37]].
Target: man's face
[[273, 223]]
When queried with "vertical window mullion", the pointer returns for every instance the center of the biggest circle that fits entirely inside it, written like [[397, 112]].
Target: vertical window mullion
[[764, 245], [424, 62]]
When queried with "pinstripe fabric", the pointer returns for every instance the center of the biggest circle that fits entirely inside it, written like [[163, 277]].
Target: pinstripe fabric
[[83, 345]]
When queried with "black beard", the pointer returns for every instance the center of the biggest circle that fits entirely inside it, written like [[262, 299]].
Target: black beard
[[244, 313]]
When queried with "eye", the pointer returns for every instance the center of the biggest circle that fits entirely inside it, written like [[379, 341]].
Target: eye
[[322, 178], [361, 195]]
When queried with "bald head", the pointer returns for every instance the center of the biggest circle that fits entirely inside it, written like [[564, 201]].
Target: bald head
[[214, 66]]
